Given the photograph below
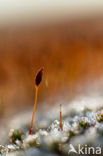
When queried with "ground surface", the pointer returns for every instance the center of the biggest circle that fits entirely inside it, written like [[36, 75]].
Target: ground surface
[[82, 124]]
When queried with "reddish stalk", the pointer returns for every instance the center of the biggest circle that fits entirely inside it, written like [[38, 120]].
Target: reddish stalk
[[38, 79], [35, 103], [61, 121]]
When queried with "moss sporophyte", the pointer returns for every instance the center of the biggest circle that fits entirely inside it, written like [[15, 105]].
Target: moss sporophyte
[[38, 79], [61, 121]]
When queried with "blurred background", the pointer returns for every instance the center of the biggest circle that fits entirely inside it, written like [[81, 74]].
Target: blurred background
[[64, 37]]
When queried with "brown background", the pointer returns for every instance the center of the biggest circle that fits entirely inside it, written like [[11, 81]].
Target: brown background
[[70, 52]]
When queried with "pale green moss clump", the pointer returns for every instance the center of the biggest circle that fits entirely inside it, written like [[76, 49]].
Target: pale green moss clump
[[15, 135], [83, 128], [83, 124], [100, 116]]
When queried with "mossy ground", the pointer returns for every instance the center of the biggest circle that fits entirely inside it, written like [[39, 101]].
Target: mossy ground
[[79, 127]]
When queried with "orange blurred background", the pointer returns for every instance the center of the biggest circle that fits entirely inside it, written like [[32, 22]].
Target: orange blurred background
[[71, 52]]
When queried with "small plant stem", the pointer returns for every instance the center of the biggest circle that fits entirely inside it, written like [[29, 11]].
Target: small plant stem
[[61, 121], [34, 110]]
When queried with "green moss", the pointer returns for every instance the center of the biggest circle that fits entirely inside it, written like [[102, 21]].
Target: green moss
[[71, 133], [100, 117], [1, 149], [15, 135], [83, 124]]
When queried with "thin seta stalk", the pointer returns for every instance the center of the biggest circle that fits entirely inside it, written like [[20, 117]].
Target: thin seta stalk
[[38, 79], [61, 120]]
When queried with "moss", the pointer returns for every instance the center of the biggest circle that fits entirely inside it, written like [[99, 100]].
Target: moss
[[31, 141], [100, 117], [71, 133], [1, 149], [79, 128], [83, 124], [15, 135]]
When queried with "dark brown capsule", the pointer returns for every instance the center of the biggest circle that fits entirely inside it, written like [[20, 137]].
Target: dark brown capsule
[[38, 77]]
